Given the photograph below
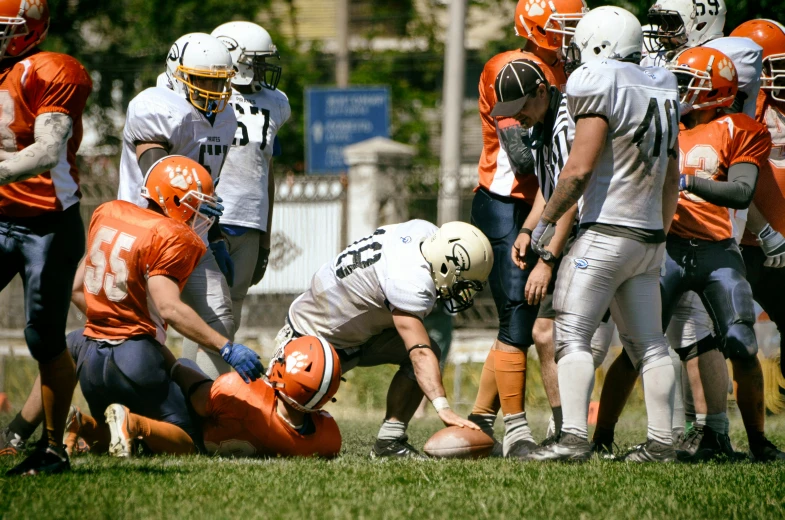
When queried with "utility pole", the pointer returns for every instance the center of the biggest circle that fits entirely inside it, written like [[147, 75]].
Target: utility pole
[[452, 114], [342, 39]]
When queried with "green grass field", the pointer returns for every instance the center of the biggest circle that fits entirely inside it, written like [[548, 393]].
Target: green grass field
[[353, 486]]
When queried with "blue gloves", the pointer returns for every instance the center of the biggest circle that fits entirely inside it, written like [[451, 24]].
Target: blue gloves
[[683, 183], [212, 211], [242, 359], [225, 262]]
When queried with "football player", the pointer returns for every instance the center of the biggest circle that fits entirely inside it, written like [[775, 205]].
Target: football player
[[505, 198], [43, 95], [280, 416], [623, 165], [677, 25], [369, 304], [190, 119], [247, 185]]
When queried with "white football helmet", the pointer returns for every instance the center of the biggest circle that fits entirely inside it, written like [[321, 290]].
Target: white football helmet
[[650, 41], [607, 32], [250, 47], [686, 23], [200, 68], [461, 259]]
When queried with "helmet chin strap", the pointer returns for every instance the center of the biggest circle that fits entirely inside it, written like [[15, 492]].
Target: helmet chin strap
[[211, 106]]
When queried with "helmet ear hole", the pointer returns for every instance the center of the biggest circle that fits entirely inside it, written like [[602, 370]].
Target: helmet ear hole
[[176, 200], [444, 269], [308, 368]]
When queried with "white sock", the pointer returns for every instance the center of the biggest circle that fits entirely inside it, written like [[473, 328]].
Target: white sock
[[718, 422], [659, 385], [392, 430], [516, 428], [576, 381]]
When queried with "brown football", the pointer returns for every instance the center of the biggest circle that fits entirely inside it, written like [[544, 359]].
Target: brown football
[[455, 442]]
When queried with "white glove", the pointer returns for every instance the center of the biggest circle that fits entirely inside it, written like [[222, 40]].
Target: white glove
[[773, 244]]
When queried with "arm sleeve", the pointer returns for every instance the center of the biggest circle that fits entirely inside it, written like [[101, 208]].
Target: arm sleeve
[[61, 84], [276, 147], [736, 193], [587, 94], [511, 135]]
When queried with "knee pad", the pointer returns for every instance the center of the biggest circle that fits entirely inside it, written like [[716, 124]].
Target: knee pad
[[640, 357], [740, 341], [707, 344]]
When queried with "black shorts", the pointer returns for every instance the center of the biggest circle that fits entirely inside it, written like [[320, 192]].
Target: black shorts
[[500, 219], [132, 374], [45, 251]]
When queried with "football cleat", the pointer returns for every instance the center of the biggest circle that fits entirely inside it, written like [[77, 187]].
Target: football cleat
[[702, 443], [395, 448], [46, 459], [764, 451], [73, 443], [550, 439], [122, 442], [10, 443], [570, 448], [520, 449], [651, 451], [605, 450]]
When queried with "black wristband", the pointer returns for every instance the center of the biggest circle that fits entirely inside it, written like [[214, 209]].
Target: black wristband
[[525, 231]]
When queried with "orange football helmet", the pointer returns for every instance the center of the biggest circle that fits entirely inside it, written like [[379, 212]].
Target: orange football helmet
[[23, 25], [306, 373], [547, 22], [771, 36], [179, 185], [707, 78]]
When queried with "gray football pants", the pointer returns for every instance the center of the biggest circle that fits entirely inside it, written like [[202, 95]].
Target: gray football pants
[[207, 292], [244, 250], [603, 271]]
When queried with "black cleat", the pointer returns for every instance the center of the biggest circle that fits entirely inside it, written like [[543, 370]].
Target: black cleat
[[702, 443], [651, 451], [521, 449], [45, 459], [763, 450], [395, 449], [604, 450], [570, 448], [10, 443], [551, 439]]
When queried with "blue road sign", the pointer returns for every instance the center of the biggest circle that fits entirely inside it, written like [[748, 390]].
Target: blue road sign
[[338, 117]]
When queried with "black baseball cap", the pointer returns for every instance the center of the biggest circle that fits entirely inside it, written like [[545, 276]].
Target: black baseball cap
[[514, 84]]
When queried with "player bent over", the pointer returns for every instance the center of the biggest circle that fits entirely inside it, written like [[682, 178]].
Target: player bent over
[[129, 287], [623, 165], [43, 95], [369, 304]]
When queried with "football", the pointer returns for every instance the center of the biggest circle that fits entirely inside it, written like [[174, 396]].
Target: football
[[455, 442]]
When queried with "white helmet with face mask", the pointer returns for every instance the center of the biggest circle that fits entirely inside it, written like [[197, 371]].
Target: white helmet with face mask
[[251, 48]]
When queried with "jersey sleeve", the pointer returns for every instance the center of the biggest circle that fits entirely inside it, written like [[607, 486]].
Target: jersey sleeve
[[175, 252], [751, 143], [410, 297], [60, 84], [227, 397], [149, 120], [590, 93], [329, 435]]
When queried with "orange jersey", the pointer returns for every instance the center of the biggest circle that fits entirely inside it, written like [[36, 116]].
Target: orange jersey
[[244, 422], [41, 83], [495, 171], [126, 245], [770, 192], [708, 151]]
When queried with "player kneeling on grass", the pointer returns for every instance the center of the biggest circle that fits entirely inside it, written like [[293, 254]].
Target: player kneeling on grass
[[129, 287], [277, 417], [369, 304]]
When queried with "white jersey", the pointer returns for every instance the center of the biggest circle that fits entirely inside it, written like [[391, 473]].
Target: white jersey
[[747, 57], [245, 175], [351, 299], [641, 107], [160, 115]]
